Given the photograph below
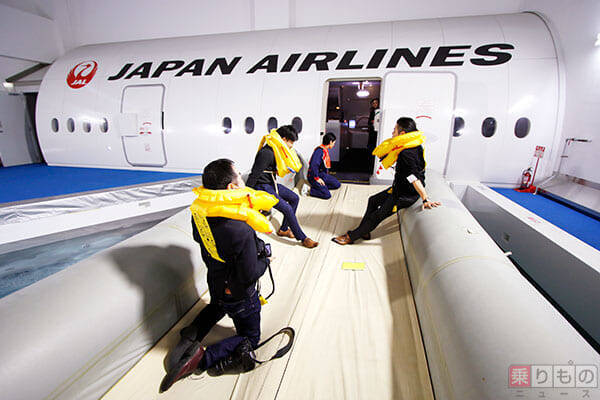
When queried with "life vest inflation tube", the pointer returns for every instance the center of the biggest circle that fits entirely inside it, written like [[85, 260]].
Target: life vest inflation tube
[[287, 160], [239, 204], [390, 148]]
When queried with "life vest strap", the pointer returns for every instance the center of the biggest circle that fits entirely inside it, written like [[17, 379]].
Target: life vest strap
[[206, 235]]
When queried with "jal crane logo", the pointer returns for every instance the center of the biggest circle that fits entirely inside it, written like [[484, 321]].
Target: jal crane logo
[[81, 74]]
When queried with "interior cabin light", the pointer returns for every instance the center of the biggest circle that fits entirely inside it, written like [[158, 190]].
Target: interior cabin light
[[361, 91], [598, 40], [8, 85]]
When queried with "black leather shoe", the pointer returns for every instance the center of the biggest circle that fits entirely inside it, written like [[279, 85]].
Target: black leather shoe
[[186, 366], [177, 353], [242, 360]]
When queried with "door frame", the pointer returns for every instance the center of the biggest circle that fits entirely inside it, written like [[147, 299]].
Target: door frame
[[450, 128], [325, 98], [162, 124]]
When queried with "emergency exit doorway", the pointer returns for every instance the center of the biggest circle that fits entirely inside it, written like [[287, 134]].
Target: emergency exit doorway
[[350, 117], [141, 125]]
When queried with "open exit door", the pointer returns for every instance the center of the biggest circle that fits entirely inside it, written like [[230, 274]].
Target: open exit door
[[426, 97], [141, 125]]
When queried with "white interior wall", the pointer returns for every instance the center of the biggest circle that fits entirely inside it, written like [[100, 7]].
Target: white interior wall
[[13, 143], [83, 22], [576, 25], [25, 40]]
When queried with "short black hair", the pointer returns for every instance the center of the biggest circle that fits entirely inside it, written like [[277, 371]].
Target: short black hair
[[288, 132], [218, 174], [328, 138], [372, 100], [406, 124]]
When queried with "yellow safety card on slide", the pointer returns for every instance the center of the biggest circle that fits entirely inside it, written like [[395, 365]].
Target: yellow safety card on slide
[[356, 266]]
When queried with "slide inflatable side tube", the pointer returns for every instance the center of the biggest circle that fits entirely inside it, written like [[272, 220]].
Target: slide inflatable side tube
[[478, 315], [75, 333]]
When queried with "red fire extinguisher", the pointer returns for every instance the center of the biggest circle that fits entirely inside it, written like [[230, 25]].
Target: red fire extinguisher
[[525, 178]]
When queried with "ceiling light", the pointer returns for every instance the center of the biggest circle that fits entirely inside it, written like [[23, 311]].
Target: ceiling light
[[8, 85], [361, 91], [598, 40]]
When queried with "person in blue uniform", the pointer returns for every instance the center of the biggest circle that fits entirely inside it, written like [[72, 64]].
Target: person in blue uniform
[[233, 291], [318, 177], [262, 177], [407, 188]]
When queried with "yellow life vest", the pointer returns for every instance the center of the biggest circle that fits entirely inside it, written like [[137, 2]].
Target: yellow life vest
[[286, 159], [391, 148], [239, 204]]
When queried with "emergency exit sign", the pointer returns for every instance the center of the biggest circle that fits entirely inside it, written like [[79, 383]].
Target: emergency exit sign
[[539, 151]]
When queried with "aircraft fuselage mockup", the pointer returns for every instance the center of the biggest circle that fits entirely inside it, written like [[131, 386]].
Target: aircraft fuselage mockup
[[485, 91]]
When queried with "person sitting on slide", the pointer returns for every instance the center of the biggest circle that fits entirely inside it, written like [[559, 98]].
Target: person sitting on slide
[[318, 177], [404, 149]]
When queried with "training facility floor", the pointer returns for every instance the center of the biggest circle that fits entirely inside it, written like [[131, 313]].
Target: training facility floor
[[583, 227], [35, 181], [357, 333]]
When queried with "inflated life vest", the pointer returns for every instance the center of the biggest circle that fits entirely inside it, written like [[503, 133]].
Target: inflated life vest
[[326, 158], [390, 148], [239, 204], [286, 159]]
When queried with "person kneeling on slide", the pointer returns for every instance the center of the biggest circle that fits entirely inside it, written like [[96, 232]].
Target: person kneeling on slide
[[235, 258], [404, 149], [277, 156], [318, 177]]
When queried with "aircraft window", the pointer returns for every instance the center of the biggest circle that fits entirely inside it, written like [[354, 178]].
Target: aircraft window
[[459, 124], [297, 124], [227, 125], [249, 125], [87, 127], [71, 125], [104, 125], [272, 123], [522, 127], [54, 125], [488, 128]]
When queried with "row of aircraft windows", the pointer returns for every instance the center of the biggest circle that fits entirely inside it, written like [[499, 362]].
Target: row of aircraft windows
[[227, 124], [249, 124], [488, 127], [86, 126]]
